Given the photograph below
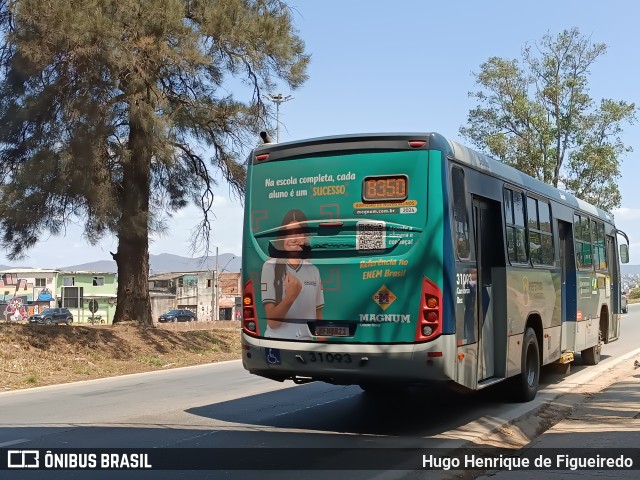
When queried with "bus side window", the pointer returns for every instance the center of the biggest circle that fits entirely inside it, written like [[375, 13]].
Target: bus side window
[[603, 261], [540, 236], [513, 202], [460, 214], [582, 229]]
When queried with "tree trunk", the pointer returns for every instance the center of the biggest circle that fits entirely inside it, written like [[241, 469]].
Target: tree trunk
[[132, 257]]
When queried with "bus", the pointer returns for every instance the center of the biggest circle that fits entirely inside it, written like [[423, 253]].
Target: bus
[[387, 260]]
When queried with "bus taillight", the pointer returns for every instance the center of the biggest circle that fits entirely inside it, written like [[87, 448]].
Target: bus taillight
[[249, 317], [430, 315]]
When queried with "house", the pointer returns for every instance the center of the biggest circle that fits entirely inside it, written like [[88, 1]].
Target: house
[[29, 290], [25, 291], [79, 291], [195, 291], [230, 296]]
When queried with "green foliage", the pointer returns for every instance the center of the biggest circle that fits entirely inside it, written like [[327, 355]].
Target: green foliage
[[118, 113], [155, 361], [634, 294], [537, 116]]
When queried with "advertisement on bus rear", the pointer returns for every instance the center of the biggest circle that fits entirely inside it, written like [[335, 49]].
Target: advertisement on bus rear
[[335, 245]]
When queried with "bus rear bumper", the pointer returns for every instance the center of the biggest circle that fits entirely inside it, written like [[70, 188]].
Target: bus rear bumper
[[349, 363]]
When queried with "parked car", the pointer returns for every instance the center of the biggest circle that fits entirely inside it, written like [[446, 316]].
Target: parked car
[[624, 303], [177, 316], [51, 316]]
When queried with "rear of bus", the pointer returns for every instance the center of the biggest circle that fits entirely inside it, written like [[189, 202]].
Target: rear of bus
[[344, 251]]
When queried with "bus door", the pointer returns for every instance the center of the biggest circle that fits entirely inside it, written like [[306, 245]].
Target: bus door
[[567, 275], [614, 290], [488, 238]]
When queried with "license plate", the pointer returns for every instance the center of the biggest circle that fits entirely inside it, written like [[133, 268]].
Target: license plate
[[332, 331]]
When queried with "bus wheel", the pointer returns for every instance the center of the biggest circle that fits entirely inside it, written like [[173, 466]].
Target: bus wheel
[[526, 384], [591, 356]]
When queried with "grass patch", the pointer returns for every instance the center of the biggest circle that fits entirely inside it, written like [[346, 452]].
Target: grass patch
[[68, 354], [155, 361], [82, 370]]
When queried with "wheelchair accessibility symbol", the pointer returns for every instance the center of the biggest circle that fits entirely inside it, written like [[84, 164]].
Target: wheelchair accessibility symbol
[[273, 356]]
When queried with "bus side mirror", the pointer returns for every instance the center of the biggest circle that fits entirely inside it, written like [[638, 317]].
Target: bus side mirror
[[624, 253]]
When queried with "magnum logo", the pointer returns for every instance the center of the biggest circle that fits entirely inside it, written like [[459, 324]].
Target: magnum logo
[[384, 297]]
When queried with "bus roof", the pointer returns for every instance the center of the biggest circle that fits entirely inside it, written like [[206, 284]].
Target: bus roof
[[495, 167], [453, 150]]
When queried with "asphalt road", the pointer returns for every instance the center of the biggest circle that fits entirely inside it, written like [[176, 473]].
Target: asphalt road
[[222, 406]]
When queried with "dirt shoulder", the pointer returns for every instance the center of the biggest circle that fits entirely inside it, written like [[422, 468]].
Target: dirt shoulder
[[33, 356]]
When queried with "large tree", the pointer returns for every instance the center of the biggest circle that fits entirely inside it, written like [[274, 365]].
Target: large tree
[[537, 116], [116, 113]]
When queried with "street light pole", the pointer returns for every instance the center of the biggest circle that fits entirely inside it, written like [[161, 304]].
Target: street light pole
[[278, 98]]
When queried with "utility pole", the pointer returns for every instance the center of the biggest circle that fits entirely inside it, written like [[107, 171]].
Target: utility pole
[[278, 98], [215, 285], [214, 293]]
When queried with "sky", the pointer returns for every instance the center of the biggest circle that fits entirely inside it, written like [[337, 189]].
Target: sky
[[407, 66]]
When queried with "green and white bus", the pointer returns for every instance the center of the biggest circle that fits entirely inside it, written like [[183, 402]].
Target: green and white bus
[[384, 260]]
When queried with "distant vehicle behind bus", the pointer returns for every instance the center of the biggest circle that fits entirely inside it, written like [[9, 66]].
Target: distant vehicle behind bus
[[387, 260], [181, 315], [52, 316]]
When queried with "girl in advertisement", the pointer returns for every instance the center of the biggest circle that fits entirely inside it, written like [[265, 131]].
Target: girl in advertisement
[[293, 288]]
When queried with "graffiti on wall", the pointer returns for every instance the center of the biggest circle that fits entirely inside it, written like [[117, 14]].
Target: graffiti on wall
[[45, 295], [18, 294], [11, 285], [15, 309]]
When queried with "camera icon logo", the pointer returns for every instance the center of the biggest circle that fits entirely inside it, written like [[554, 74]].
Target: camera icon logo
[[23, 459]]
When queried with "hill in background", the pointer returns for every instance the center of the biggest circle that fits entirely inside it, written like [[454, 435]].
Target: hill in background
[[630, 269], [166, 262]]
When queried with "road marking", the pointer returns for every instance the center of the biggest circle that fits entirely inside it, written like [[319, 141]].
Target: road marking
[[13, 442]]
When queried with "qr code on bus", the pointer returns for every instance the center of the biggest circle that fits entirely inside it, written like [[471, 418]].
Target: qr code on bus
[[371, 235]]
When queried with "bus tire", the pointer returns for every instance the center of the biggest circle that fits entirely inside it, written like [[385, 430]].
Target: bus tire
[[591, 356], [526, 383]]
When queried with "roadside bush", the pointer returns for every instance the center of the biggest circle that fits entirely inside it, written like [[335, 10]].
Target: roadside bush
[[634, 294]]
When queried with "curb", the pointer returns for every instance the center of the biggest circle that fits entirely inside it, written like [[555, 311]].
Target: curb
[[559, 400], [479, 429]]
